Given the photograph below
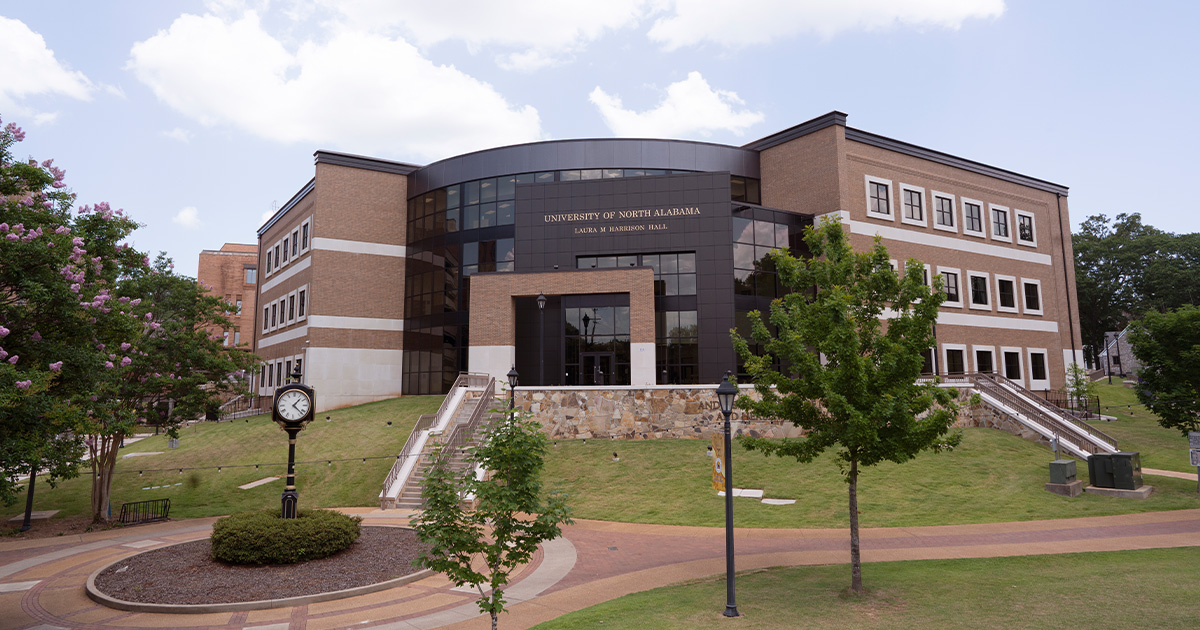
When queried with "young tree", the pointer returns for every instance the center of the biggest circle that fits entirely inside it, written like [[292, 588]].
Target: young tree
[[510, 519], [1168, 345], [851, 337]]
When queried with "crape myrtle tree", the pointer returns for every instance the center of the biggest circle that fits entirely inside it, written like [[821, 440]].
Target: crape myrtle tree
[[851, 335], [1168, 345], [85, 350], [512, 515]]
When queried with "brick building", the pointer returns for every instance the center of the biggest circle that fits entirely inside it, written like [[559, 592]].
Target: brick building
[[383, 278], [232, 273]]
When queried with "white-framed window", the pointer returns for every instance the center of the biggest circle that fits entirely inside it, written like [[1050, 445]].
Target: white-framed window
[[1006, 294], [943, 211], [286, 249], [1026, 228], [268, 262], [283, 311], [239, 305], [305, 234], [291, 307], [984, 358], [298, 361], [1011, 364], [279, 372], [225, 338], [954, 359], [1000, 223], [237, 337], [266, 318], [277, 258], [952, 285], [912, 205], [1031, 296], [879, 198], [979, 294], [274, 316], [1039, 370], [287, 368], [295, 242], [269, 372], [895, 265], [972, 218], [251, 275], [302, 303]]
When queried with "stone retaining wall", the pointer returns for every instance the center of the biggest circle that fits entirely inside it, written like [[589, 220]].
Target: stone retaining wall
[[640, 413]]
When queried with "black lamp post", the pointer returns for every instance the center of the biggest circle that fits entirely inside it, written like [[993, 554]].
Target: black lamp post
[[726, 393], [512, 389], [541, 300]]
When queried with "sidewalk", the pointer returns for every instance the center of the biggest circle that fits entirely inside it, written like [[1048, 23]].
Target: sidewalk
[[41, 580]]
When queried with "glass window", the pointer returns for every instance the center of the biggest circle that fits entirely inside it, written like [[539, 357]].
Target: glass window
[[487, 190], [1000, 223], [566, 176], [251, 276], [912, 205], [1008, 293], [504, 211], [1037, 366], [878, 203], [304, 236], [507, 187], [593, 173], [487, 215], [945, 211], [1012, 365], [610, 173], [983, 361], [471, 192], [291, 308], [743, 230], [295, 242], [950, 279], [300, 304], [1033, 299], [452, 220], [285, 249], [274, 315], [954, 362], [452, 196], [1025, 228], [543, 178], [979, 293], [471, 218], [974, 217], [266, 318]]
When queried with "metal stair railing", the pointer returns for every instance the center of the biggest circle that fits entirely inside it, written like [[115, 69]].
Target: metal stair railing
[[1062, 425], [462, 432]]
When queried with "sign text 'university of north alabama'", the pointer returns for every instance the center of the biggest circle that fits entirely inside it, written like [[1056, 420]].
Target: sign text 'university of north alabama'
[[621, 215]]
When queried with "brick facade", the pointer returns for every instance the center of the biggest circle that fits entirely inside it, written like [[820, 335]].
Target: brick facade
[[230, 273]]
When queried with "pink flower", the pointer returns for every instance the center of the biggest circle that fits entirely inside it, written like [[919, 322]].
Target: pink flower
[[3, 332], [62, 229], [108, 365], [126, 361], [56, 366], [36, 336], [135, 302], [11, 236], [13, 359], [3, 227], [124, 347], [24, 384], [155, 325]]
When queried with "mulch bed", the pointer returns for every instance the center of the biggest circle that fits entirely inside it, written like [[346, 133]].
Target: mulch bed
[[186, 574]]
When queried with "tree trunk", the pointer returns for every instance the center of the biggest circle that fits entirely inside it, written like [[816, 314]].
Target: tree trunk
[[495, 618], [855, 559], [104, 463]]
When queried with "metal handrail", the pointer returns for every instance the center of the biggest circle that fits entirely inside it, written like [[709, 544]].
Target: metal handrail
[[1070, 418], [460, 433], [427, 421], [1064, 430]]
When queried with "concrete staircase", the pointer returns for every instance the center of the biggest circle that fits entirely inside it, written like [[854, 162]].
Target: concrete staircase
[[463, 417]]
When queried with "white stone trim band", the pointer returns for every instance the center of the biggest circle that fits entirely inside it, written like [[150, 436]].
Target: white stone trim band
[[279, 277], [355, 323], [288, 335], [358, 247]]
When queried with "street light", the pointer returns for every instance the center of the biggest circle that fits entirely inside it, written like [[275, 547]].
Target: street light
[[512, 388], [726, 393], [541, 300]]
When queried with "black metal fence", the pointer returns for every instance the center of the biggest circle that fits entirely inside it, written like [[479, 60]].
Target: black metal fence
[[1087, 408], [145, 511]]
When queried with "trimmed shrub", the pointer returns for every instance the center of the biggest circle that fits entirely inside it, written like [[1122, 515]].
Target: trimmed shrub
[[264, 537]]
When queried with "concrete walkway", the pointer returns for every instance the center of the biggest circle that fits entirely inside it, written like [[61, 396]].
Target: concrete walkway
[[41, 580]]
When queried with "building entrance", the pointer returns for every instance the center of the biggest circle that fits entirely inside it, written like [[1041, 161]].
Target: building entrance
[[597, 368]]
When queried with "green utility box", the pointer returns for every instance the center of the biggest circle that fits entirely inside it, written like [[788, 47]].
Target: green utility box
[[1100, 470], [1127, 470], [1062, 471]]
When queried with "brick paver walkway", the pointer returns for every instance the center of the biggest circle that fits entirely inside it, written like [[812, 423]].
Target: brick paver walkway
[[41, 581]]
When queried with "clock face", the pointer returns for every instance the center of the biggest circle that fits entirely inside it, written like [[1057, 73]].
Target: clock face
[[292, 405]]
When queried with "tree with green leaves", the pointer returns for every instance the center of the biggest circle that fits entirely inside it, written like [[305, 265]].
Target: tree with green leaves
[[511, 517], [1168, 345], [851, 335]]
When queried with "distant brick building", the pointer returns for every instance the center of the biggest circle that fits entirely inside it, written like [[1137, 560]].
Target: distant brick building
[[232, 273], [383, 278]]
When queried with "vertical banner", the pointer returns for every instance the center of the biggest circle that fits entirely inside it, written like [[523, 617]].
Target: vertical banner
[[718, 447]]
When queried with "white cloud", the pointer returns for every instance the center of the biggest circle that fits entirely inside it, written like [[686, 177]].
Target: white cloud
[[178, 134], [697, 21], [690, 107], [188, 218], [29, 68], [356, 90], [524, 35], [266, 216]]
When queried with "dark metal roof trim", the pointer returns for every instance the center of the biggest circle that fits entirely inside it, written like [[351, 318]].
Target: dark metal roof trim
[[363, 162], [803, 129], [287, 206], [857, 135]]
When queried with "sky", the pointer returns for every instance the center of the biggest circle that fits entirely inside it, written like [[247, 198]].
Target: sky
[[201, 117]]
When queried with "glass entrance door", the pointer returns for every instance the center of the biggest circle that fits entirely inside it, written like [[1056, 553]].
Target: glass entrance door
[[597, 368]]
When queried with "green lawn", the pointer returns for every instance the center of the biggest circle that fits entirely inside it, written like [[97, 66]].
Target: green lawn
[[1144, 589], [354, 432], [992, 476], [1137, 429]]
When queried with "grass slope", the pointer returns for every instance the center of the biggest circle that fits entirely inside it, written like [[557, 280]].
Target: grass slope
[[353, 432], [992, 476], [1144, 589], [1137, 429]]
